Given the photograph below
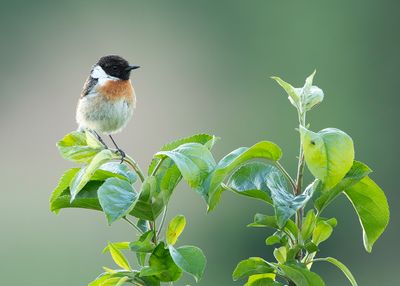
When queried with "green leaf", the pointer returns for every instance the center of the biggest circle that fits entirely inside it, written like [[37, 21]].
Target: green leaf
[[118, 257], [204, 139], [262, 150], [308, 225], [84, 175], [144, 244], [322, 232], [300, 275], [249, 180], [193, 160], [114, 281], [74, 147], [162, 266], [342, 267], [117, 198], [115, 169], [62, 185], [293, 93], [190, 259], [357, 172], [262, 280], [273, 239], [280, 254], [86, 199], [285, 203], [329, 154], [152, 199], [261, 220], [251, 266], [120, 245], [175, 229], [99, 280], [372, 209], [311, 95]]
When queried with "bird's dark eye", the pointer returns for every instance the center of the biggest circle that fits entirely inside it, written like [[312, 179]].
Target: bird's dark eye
[[114, 68]]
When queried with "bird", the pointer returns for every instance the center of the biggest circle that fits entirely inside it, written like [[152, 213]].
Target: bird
[[107, 99]]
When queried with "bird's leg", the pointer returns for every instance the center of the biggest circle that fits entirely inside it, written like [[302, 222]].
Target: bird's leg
[[100, 139], [118, 149]]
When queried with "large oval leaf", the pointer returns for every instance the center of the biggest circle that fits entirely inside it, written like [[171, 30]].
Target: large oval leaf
[[262, 150], [117, 198], [190, 259], [329, 154], [372, 209]]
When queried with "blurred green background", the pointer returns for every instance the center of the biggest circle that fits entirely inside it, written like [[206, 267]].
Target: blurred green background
[[206, 68]]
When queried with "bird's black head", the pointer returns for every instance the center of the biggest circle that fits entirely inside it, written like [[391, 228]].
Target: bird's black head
[[116, 66]]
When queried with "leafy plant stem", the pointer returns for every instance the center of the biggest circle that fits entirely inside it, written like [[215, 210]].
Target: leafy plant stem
[[133, 225], [157, 166], [131, 162], [299, 179], [164, 215], [152, 225]]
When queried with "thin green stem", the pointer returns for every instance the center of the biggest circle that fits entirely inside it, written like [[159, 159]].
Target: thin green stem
[[299, 179], [152, 225], [157, 166], [164, 215], [288, 177], [129, 160], [133, 225]]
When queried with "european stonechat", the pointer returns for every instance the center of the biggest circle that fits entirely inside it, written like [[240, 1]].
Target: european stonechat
[[107, 99]]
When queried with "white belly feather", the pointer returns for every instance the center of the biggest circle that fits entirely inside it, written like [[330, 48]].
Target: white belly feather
[[98, 114]]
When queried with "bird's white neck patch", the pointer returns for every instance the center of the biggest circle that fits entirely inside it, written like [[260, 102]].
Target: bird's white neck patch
[[101, 75]]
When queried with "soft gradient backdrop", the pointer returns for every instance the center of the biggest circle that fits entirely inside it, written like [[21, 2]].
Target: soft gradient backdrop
[[206, 68]]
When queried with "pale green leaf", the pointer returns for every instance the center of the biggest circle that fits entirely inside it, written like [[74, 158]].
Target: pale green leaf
[[174, 229], [74, 147], [293, 93], [329, 154], [118, 257], [322, 232], [120, 245], [280, 254]]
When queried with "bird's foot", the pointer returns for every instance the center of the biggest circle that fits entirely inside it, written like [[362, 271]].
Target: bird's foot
[[123, 155]]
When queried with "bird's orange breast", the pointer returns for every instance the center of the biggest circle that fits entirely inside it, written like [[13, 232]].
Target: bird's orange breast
[[117, 89]]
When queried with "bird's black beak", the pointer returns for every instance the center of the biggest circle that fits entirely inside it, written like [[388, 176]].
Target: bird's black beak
[[129, 68]]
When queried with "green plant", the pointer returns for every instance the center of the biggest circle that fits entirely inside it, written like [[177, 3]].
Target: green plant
[[256, 172], [113, 188]]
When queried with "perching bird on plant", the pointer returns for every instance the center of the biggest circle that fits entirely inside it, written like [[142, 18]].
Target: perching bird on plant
[[107, 99]]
